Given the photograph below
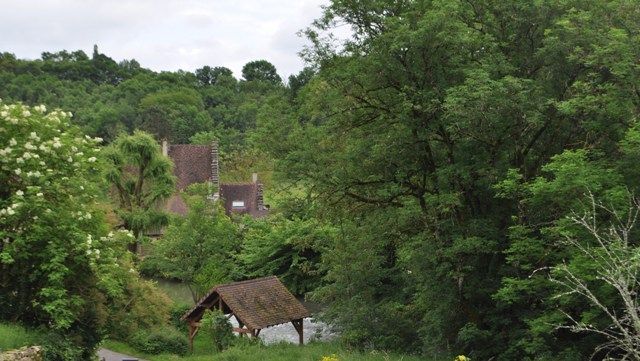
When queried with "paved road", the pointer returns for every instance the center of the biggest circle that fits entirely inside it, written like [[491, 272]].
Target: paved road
[[108, 355]]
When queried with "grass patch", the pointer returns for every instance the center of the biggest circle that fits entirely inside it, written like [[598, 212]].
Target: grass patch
[[253, 351], [13, 336]]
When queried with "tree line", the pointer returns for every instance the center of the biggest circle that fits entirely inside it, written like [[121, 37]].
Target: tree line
[[447, 156]]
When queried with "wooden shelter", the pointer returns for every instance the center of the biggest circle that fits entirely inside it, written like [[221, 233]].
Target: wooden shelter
[[256, 304]]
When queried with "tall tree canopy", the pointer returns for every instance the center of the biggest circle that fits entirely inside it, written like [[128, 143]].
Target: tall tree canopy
[[260, 70], [405, 135], [142, 179]]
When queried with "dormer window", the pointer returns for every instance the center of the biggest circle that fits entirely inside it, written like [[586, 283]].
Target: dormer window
[[237, 204]]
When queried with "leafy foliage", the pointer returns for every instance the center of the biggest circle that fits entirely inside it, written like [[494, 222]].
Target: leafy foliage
[[58, 266], [260, 70], [197, 249], [290, 249], [142, 179], [165, 340], [219, 327]]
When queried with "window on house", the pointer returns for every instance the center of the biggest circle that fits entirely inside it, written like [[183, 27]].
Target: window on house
[[237, 204]]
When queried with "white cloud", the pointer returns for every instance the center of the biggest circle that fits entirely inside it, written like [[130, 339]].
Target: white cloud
[[163, 34]]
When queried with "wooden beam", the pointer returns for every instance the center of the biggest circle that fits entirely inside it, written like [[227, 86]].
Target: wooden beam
[[299, 326], [193, 331], [211, 304], [242, 331], [240, 323]]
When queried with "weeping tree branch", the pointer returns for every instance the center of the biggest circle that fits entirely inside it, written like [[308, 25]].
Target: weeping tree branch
[[615, 259]]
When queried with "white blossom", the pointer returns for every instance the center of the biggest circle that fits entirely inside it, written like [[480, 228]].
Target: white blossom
[[18, 171], [39, 194], [12, 142], [26, 113], [92, 159], [19, 193]]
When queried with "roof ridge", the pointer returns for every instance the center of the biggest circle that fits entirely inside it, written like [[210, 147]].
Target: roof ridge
[[189, 145], [244, 282]]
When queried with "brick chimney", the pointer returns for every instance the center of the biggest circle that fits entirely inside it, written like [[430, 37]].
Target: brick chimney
[[259, 198], [215, 169], [165, 147]]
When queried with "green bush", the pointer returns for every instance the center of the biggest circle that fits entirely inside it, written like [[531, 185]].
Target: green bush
[[144, 306], [177, 311], [219, 327], [151, 266], [162, 340], [59, 347]]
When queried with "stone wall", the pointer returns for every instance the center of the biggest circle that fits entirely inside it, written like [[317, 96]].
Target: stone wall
[[33, 353]]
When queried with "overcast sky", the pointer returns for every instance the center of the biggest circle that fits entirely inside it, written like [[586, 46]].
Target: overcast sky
[[163, 34]]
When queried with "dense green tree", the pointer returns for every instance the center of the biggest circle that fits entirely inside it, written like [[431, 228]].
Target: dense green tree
[[297, 81], [141, 179], [212, 76], [260, 70], [197, 249], [418, 116], [174, 114], [59, 268], [288, 248]]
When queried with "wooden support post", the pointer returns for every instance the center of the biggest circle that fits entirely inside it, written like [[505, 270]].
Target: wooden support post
[[301, 331], [193, 330], [240, 325], [299, 326], [192, 333]]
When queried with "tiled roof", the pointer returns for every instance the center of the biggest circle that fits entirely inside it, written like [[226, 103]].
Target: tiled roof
[[176, 205], [245, 192], [258, 303], [192, 163]]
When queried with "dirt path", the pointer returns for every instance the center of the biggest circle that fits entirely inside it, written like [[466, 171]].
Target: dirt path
[[108, 355]]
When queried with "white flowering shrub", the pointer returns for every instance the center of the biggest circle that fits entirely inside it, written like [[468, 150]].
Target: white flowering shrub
[[58, 264]]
